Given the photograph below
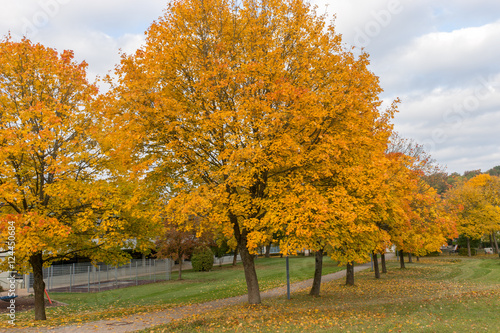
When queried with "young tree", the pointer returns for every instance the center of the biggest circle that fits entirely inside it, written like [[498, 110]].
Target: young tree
[[230, 99], [52, 184], [177, 245]]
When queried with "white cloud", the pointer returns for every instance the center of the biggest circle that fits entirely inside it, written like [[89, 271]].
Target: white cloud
[[444, 59], [95, 30], [434, 54]]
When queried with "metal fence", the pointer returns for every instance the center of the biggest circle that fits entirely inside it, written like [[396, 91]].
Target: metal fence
[[226, 260], [85, 277]]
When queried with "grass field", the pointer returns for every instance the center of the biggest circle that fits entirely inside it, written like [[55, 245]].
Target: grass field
[[443, 294], [221, 282]]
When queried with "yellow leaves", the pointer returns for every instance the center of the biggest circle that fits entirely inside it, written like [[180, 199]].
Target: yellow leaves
[[475, 203], [55, 181]]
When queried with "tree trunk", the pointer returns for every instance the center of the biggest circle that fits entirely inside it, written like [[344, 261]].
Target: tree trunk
[[250, 274], [349, 274], [401, 259], [410, 257], [248, 262], [495, 242], [36, 262], [318, 270], [375, 265], [382, 260], [235, 257], [268, 250], [468, 247]]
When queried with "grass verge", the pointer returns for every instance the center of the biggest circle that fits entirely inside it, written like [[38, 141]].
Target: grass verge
[[196, 287], [433, 295]]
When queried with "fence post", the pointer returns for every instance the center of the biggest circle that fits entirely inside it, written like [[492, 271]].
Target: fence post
[[99, 277], [27, 279], [70, 278], [48, 278], [51, 279], [136, 274], [88, 280], [116, 276], [154, 264]]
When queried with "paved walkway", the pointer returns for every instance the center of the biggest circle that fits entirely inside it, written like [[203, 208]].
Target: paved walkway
[[142, 321]]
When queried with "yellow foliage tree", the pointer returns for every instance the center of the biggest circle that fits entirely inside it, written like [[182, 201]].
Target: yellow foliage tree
[[234, 102], [476, 203], [54, 198]]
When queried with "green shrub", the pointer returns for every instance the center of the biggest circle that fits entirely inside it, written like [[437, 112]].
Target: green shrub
[[202, 259], [433, 254], [463, 252]]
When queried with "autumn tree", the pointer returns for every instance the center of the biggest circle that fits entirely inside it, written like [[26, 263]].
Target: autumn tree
[[439, 181], [495, 171], [476, 203], [231, 100], [53, 188], [414, 215], [333, 211], [176, 244]]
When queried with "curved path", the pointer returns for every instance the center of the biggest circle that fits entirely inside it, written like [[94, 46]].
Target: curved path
[[142, 321]]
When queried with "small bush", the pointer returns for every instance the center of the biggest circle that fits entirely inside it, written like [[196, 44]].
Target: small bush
[[464, 252], [433, 254], [202, 259]]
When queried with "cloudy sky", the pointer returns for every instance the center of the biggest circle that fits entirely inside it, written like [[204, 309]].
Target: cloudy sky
[[441, 57]]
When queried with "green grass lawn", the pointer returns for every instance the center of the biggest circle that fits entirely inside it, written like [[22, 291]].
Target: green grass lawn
[[443, 294], [221, 282]]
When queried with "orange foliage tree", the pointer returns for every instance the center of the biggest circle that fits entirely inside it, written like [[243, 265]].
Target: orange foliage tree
[[54, 198], [231, 105], [418, 222]]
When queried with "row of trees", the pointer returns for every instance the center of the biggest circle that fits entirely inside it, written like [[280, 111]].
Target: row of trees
[[247, 120], [255, 118]]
